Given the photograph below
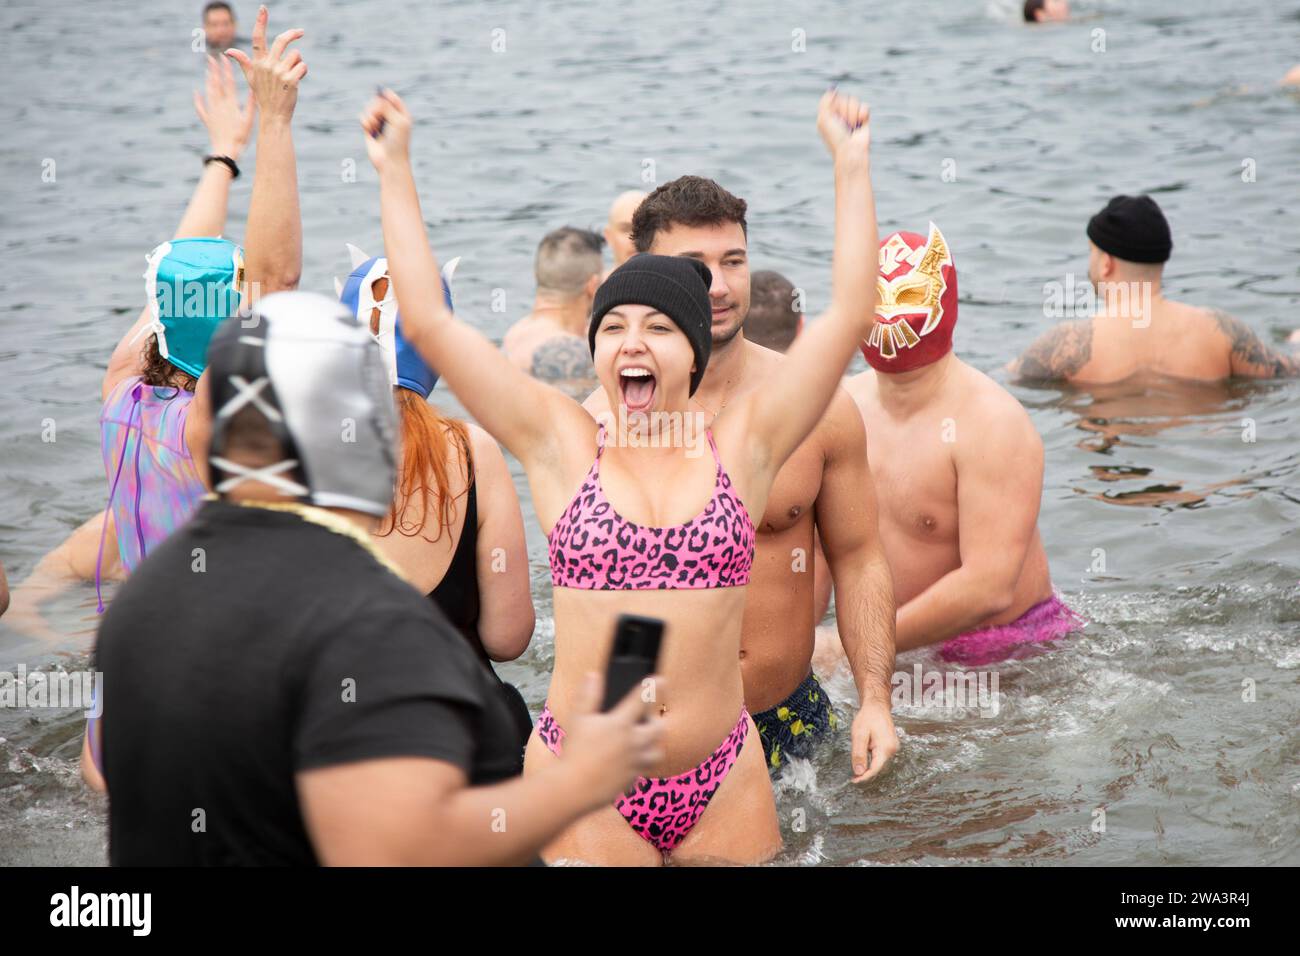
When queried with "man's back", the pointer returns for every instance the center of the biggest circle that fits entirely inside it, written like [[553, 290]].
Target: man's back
[[1175, 340], [546, 351], [255, 644]]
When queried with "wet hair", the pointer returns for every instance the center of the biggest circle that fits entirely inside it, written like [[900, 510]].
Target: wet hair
[[217, 5], [566, 258], [686, 201], [160, 373], [1031, 9], [772, 321], [423, 471]]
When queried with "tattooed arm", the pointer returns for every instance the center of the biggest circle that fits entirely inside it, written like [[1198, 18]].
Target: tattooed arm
[[1251, 356], [564, 358], [1058, 353]]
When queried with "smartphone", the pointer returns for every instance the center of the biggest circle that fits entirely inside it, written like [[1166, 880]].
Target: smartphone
[[634, 657]]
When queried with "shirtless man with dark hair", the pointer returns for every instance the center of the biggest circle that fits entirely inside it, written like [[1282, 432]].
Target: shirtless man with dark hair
[[1136, 329]]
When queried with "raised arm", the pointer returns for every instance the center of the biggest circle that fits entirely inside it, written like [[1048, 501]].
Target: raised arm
[[228, 129], [1252, 357], [785, 410], [273, 241], [229, 126], [516, 409]]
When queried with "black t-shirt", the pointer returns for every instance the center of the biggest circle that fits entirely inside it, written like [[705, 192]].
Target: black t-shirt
[[253, 644]]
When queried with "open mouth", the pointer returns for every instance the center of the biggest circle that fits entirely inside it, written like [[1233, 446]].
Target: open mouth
[[638, 387]]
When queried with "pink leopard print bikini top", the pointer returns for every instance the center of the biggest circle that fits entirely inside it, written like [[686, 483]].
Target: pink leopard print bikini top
[[593, 547]]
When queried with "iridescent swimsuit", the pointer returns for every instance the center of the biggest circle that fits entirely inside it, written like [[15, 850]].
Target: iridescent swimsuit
[[593, 547], [159, 492], [161, 489]]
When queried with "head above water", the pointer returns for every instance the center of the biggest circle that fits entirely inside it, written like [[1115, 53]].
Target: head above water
[[649, 331], [302, 407], [219, 25], [618, 230], [568, 264], [1129, 237], [916, 309], [191, 286], [695, 217], [1041, 11], [369, 294], [773, 321]]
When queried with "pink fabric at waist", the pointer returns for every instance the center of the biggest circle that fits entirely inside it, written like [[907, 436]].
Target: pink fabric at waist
[[1043, 623]]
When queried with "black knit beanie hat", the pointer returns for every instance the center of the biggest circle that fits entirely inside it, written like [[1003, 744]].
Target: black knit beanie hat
[[674, 285], [1132, 228]]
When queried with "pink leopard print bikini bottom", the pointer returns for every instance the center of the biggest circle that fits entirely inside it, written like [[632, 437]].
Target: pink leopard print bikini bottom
[[664, 809]]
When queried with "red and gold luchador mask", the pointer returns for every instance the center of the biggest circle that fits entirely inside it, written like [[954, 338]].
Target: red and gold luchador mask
[[917, 302]]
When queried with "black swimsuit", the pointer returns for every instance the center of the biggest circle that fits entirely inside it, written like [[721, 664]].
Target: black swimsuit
[[457, 592], [458, 598]]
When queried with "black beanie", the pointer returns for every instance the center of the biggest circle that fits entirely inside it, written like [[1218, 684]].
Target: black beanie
[[674, 285], [1132, 228]]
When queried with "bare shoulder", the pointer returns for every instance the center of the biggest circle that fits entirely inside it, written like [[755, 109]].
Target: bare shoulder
[[515, 334], [763, 352], [482, 446], [760, 363], [1059, 353], [859, 387], [1251, 356], [842, 425], [996, 414], [491, 472]]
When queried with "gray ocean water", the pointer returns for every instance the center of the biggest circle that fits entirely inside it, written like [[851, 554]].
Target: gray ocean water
[[1174, 719]]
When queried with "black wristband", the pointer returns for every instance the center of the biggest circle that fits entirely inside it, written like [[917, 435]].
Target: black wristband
[[225, 161]]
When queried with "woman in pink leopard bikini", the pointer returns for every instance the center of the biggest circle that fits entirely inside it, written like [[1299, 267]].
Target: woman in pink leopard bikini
[[637, 525]]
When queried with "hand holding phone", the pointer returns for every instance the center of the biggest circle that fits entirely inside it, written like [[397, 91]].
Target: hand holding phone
[[634, 656]]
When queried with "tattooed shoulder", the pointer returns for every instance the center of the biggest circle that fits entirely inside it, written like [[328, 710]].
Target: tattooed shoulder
[[1250, 354], [1058, 353], [562, 359]]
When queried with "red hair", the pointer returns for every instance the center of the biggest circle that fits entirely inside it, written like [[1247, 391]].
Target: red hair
[[423, 468]]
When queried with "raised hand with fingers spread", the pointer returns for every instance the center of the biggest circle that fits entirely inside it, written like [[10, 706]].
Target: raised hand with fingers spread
[[229, 125], [272, 74]]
